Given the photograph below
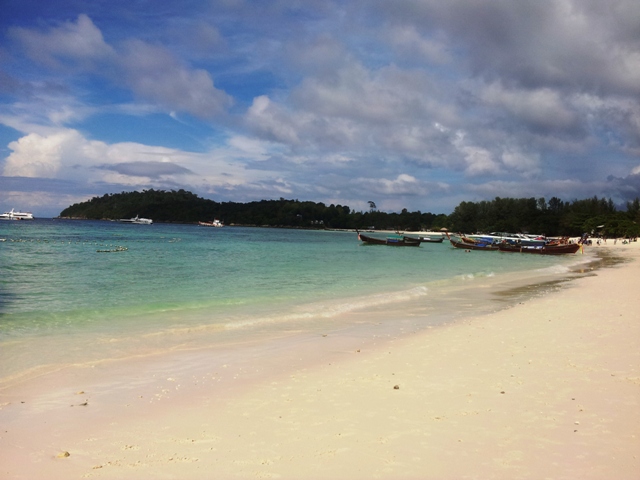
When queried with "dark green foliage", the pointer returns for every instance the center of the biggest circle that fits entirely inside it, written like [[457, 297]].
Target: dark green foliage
[[528, 215], [516, 215], [185, 207]]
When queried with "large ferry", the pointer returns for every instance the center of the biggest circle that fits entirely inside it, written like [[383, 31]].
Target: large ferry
[[13, 215]]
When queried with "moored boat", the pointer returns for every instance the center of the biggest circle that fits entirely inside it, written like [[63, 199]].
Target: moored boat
[[137, 220], [428, 239], [13, 215], [215, 223], [395, 241], [466, 244], [513, 238], [559, 249]]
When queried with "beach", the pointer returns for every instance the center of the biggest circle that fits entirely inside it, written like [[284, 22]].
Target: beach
[[546, 388]]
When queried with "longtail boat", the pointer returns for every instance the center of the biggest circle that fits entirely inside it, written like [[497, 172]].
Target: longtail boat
[[470, 245], [427, 239], [559, 249], [395, 241]]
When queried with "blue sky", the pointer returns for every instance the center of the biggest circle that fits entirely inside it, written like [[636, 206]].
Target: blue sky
[[416, 104]]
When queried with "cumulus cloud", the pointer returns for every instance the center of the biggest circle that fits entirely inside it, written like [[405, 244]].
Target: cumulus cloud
[[151, 72], [272, 121], [412, 45], [35, 155], [521, 97], [627, 186], [383, 112], [154, 74], [566, 43], [542, 110], [403, 184], [66, 155], [80, 42]]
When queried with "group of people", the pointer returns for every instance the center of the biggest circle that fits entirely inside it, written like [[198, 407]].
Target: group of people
[[586, 240]]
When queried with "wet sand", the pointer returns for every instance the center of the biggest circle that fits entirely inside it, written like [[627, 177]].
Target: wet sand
[[546, 388]]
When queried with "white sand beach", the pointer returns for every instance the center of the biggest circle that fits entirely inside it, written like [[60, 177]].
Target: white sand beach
[[546, 389]]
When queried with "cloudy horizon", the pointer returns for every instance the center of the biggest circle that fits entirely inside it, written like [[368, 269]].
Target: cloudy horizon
[[416, 104]]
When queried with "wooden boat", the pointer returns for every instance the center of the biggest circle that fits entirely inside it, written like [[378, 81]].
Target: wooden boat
[[432, 239], [513, 238], [398, 241], [559, 249], [473, 245]]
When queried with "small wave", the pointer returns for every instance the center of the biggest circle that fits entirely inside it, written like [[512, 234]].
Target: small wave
[[473, 276], [324, 310], [557, 269]]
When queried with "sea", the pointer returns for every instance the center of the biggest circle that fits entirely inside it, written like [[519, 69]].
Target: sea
[[74, 292]]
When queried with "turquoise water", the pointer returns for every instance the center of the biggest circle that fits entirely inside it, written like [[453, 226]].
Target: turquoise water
[[90, 289]]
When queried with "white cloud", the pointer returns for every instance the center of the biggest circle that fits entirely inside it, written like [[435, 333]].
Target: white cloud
[[35, 155], [405, 91], [67, 155], [479, 161], [273, 121], [152, 72], [541, 108], [403, 184], [515, 160], [80, 42], [412, 45], [254, 148]]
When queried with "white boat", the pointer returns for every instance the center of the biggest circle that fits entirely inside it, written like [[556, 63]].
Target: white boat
[[137, 220], [13, 215], [215, 223]]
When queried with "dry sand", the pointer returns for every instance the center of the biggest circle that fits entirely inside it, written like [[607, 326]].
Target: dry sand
[[547, 389]]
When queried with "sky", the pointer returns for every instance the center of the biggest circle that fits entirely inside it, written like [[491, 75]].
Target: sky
[[416, 104]]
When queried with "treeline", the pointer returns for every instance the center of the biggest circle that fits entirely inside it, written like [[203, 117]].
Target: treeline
[[555, 217], [552, 218], [186, 207]]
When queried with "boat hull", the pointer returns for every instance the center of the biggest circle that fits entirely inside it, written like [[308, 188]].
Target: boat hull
[[137, 220], [13, 215], [562, 249], [473, 246], [431, 240], [392, 242]]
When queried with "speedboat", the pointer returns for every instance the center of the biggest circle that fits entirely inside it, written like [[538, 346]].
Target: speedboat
[[13, 215], [432, 239], [215, 223], [137, 220]]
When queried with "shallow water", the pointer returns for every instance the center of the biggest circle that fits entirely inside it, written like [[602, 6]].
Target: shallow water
[[85, 291]]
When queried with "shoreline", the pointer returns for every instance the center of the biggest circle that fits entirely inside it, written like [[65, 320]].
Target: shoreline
[[416, 308], [495, 395]]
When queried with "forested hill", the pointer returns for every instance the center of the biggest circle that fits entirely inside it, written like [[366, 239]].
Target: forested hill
[[531, 215], [185, 207]]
